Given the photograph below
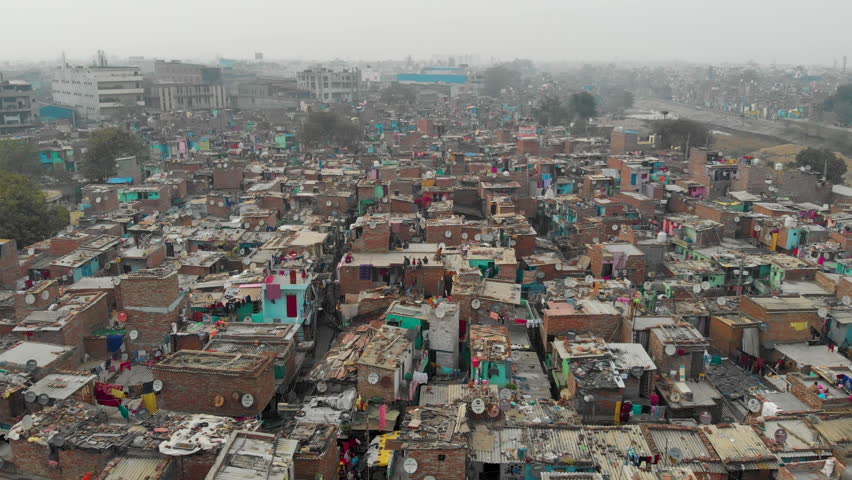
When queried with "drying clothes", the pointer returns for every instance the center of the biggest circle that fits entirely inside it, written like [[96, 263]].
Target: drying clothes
[[150, 402], [365, 272], [637, 409], [118, 393], [273, 291], [147, 387]]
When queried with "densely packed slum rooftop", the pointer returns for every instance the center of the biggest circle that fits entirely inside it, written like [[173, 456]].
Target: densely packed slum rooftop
[[455, 292]]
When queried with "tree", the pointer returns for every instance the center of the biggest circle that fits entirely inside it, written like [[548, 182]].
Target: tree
[[19, 156], [550, 110], [619, 101], [329, 128], [399, 93], [104, 147], [27, 217], [679, 132], [840, 103], [498, 78], [822, 160], [582, 106]]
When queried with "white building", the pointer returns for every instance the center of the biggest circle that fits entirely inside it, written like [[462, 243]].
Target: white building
[[329, 85], [99, 93]]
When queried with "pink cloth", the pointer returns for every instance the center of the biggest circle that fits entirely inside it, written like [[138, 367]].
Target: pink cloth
[[273, 291]]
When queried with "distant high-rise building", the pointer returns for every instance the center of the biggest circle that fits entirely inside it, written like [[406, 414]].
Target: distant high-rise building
[[174, 85], [258, 55], [16, 106], [99, 92], [330, 85]]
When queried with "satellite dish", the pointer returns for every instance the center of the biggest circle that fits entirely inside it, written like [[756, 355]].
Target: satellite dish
[[512, 243], [31, 251], [134, 334], [477, 405], [448, 233], [27, 422], [98, 200], [247, 400], [559, 267], [221, 204], [30, 299], [174, 327], [589, 398], [736, 219], [384, 199], [675, 455], [464, 235], [31, 365], [30, 397], [822, 312], [477, 237], [846, 300], [705, 285], [505, 393], [372, 224], [781, 436], [647, 285], [158, 385], [675, 397], [442, 245], [757, 228], [43, 399], [720, 301], [615, 228], [475, 304], [328, 203], [373, 378], [589, 279], [696, 288], [409, 465], [753, 405], [779, 166], [670, 350], [570, 282], [322, 387], [45, 295], [212, 202], [637, 371], [539, 275]]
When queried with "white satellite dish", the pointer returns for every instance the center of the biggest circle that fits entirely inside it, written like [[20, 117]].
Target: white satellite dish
[[247, 400], [134, 334], [559, 266], [675, 397], [98, 200], [328, 203], [158, 385], [720, 301], [477, 406], [384, 199], [322, 387], [409, 465], [705, 285], [846, 300], [736, 219], [448, 233], [670, 350], [30, 299], [675, 455], [822, 312], [442, 245], [477, 237], [696, 288], [647, 285], [589, 279], [475, 304], [753, 405], [373, 378], [757, 228], [615, 228], [221, 204], [464, 235]]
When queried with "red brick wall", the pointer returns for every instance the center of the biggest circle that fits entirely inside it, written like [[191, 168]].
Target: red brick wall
[[435, 234], [724, 337], [826, 282], [308, 468], [22, 308], [63, 246], [196, 466], [227, 178], [453, 467], [598, 325], [155, 292], [77, 463], [783, 326], [194, 392], [426, 277], [32, 458], [373, 239]]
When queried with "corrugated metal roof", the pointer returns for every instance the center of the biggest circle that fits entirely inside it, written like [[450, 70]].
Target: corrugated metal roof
[[630, 355], [689, 442], [61, 386], [800, 436], [433, 394], [609, 446], [557, 445], [505, 448], [740, 444], [129, 468], [836, 430]]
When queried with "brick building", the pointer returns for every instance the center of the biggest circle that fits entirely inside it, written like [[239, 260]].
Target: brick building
[[228, 384], [617, 260], [317, 454], [383, 365], [153, 301], [787, 319]]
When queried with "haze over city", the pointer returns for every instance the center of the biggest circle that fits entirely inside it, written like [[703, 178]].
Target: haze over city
[[783, 31]]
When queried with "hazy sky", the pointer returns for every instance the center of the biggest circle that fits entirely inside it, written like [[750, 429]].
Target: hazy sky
[[786, 31]]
